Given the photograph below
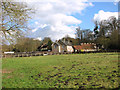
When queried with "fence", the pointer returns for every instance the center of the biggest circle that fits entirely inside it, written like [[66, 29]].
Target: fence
[[43, 53], [26, 54]]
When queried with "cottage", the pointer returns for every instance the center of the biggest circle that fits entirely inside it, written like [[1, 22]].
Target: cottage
[[43, 47], [86, 47], [62, 46]]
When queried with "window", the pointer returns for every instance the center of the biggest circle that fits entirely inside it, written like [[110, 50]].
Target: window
[[55, 46]]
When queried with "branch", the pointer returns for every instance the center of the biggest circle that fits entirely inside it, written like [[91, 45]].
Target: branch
[[9, 28]]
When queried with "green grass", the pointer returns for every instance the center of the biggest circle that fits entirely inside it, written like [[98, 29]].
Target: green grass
[[98, 70]]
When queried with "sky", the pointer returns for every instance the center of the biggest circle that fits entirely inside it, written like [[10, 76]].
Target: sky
[[90, 12], [58, 18]]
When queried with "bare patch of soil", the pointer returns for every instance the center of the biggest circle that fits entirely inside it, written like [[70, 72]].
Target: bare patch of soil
[[9, 76], [5, 71], [116, 61]]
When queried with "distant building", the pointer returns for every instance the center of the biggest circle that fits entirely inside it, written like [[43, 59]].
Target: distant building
[[61, 46], [43, 47], [86, 47]]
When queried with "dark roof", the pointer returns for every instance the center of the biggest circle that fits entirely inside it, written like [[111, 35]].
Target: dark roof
[[62, 42], [67, 42], [55, 43], [44, 46]]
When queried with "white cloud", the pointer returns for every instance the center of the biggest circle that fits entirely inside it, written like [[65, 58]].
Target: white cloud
[[36, 23], [116, 1], [53, 18], [63, 0], [38, 38], [55, 32], [34, 30], [101, 15]]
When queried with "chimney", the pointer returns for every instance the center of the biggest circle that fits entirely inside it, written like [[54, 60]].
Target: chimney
[[64, 40]]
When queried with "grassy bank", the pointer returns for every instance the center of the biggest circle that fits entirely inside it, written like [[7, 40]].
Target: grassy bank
[[98, 70]]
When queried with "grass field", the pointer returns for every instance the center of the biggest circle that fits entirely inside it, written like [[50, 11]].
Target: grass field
[[98, 70]]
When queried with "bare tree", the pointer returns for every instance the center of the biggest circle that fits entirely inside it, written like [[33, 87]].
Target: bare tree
[[78, 34], [84, 35], [108, 32], [14, 18]]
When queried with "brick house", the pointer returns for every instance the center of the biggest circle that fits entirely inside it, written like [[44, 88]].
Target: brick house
[[62, 46]]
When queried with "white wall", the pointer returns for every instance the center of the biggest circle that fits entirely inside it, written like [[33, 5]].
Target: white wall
[[59, 49], [70, 49], [8, 52], [89, 49]]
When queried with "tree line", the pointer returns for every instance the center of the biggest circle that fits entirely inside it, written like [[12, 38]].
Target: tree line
[[25, 44], [106, 33]]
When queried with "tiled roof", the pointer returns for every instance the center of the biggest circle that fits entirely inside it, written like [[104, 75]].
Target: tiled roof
[[77, 47], [84, 46]]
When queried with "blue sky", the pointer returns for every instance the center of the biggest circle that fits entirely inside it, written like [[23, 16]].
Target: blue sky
[[88, 13], [57, 18]]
